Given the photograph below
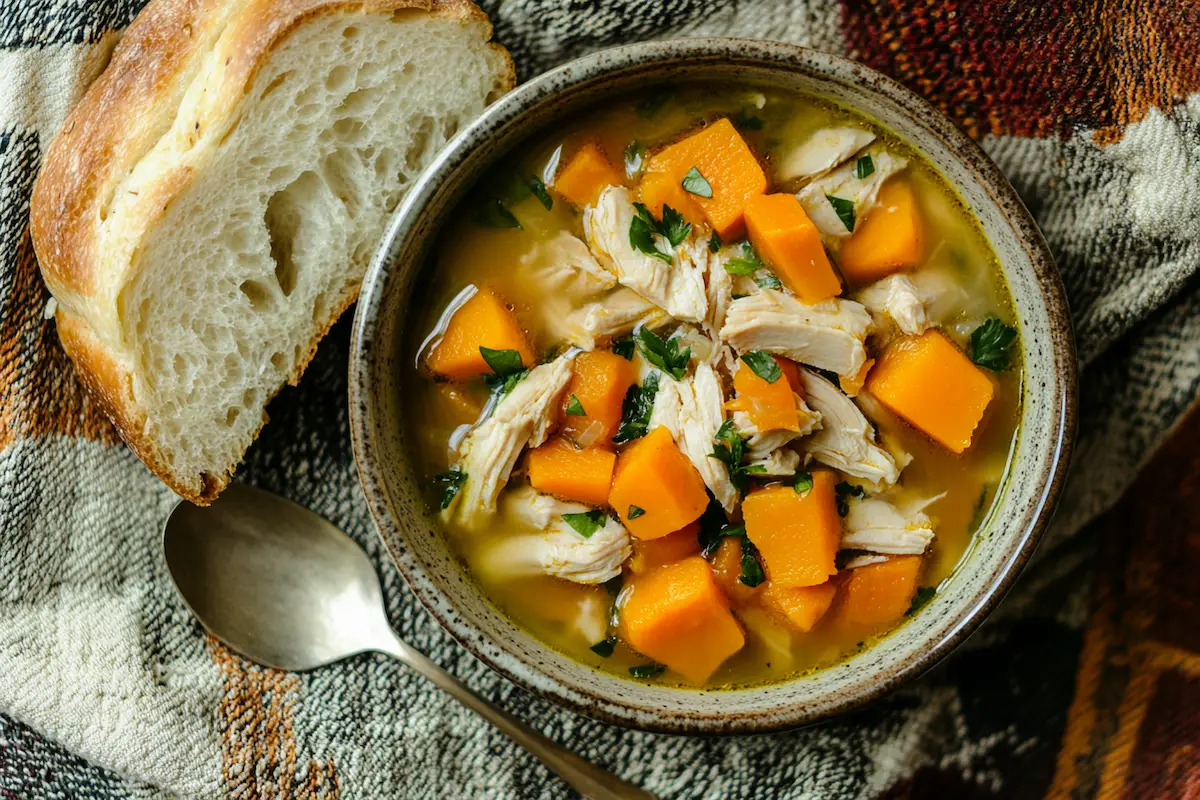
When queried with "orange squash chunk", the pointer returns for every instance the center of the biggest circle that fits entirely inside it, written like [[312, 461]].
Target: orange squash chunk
[[792, 373], [800, 606], [796, 535], [582, 178], [653, 475], [788, 242], [483, 321], [770, 406], [678, 616], [649, 554], [727, 568], [852, 386], [879, 593], [889, 239], [599, 381], [557, 467], [934, 386], [726, 162]]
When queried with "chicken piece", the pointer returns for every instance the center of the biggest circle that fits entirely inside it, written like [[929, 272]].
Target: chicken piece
[[823, 150], [677, 287], [615, 314], [523, 418], [667, 407], [562, 552], [781, 461], [719, 290], [760, 444], [880, 527], [895, 298], [843, 183], [865, 560], [846, 441], [885, 423], [701, 412], [563, 263], [827, 335]]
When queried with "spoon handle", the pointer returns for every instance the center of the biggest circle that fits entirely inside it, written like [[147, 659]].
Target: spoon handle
[[586, 778]]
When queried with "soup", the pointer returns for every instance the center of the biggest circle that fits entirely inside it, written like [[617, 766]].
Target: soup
[[712, 386]]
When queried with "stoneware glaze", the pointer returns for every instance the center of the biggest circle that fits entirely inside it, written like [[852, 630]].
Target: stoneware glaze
[[1001, 547]]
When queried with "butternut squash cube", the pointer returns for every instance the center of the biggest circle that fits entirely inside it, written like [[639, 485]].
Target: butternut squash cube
[[889, 239], [878, 594], [650, 554], [654, 476], [934, 386], [585, 175], [770, 406], [483, 321], [726, 162], [802, 607], [599, 381], [678, 616], [797, 535], [788, 242], [727, 569], [557, 467]]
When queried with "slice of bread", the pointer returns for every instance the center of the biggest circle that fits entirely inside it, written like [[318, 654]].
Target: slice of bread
[[210, 207]]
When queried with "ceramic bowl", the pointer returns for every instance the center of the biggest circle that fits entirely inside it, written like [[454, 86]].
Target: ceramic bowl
[[1002, 545]]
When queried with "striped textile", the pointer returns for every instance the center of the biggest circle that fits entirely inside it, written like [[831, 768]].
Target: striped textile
[[109, 689]]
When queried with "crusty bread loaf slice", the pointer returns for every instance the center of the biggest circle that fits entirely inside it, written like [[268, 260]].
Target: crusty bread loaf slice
[[209, 209]]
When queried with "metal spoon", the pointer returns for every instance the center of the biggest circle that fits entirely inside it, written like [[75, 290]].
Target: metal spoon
[[286, 589]]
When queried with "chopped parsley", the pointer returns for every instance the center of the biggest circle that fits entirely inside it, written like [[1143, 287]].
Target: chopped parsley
[[673, 226], [714, 242], [604, 647], [764, 365], [863, 167], [803, 483], [635, 512], [665, 355], [624, 347], [695, 183], [647, 670], [711, 537], [492, 213], [924, 595], [844, 209], [636, 409], [575, 408], [585, 523], [541, 192], [654, 102], [843, 491], [746, 263], [980, 510], [752, 570], [728, 448], [507, 369], [991, 343], [748, 121], [767, 280], [449, 483], [642, 228], [635, 159]]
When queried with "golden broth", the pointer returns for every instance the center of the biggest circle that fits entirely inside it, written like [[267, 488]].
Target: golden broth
[[507, 260]]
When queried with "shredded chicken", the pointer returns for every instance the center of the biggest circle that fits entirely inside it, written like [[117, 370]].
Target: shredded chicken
[[667, 407], [522, 418], [563, 263], [827, 335], [843, 183], [701, 412], [886, 423], [760, 444], [677, 287], [779, 462], [865, 560], [895, 298], [823, 150], [615, 314], [846, 441], [880, 527]]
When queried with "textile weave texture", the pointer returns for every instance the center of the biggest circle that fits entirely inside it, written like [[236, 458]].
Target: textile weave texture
[[1076, 686]]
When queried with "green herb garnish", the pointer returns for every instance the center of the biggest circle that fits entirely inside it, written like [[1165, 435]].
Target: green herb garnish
[[507, 369], [635, 159], [863, 167], [991, 343], [767, 280], [728, 447], [647, 670], [642, 228], [752, 570], [746, 263], [585, 523], [844, 209], [714, 242], [575, 408], [604, 647], [764, 365], [673, 226], [665, 355], [713, 534], [635, 512], [636, 410], [843, 491], [624, 347], [541, 192], [492, 213], [924, 595], [695, 183], [748, 121], [803, 483], [449, 482]]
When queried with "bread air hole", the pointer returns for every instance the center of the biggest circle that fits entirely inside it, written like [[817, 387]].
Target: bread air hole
[[261, 298], [283, 219]]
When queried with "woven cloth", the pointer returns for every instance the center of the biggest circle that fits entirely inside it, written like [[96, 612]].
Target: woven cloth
[[108, 688]]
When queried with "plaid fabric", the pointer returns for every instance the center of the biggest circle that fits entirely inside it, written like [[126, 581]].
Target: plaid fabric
[[1089, 109]]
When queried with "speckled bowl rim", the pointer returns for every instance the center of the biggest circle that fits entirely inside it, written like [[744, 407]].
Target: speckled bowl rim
[[762, 55]]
